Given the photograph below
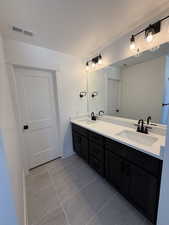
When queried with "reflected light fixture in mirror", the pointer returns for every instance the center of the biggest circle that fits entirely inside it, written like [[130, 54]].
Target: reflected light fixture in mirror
[[94, 61], [83, 94], [94, 94], [87, 66]]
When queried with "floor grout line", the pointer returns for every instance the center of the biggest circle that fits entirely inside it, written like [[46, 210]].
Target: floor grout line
[[64, 211], [99, 210], [66, 167], [80, 189]]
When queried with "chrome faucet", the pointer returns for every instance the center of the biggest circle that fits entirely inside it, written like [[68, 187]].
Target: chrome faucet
[[93, 116], [148, 120], [101, 112]]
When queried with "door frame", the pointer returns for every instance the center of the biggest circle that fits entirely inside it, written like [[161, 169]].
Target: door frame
[[17, 107]]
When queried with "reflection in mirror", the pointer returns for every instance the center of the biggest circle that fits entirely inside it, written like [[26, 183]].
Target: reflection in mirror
[[134, 88]]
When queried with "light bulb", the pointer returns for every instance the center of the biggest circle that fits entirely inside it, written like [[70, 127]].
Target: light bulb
[[87, 66], [132, 43], [100, 61], [93, 65], [149, 37], [132, 46]]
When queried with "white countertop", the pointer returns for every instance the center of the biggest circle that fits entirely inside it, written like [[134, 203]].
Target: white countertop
[[111, 130]]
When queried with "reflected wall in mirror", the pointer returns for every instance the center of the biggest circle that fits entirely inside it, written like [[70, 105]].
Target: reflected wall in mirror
[[134, 88]]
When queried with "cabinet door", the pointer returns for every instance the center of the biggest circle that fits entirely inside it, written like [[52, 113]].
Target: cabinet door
[[114, 169], [76, 142], [80, 145], [84, 149], [144, 191], [96, 151]]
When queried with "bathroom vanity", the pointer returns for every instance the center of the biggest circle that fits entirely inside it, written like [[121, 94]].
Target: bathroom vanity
[[135, 171]]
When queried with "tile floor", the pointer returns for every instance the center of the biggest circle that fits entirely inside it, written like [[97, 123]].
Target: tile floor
[[68, 192]]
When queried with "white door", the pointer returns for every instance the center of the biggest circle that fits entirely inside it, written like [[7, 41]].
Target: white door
[[113, 94], [38, 115]]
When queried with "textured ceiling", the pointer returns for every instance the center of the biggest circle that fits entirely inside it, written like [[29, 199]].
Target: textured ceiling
[[76, 27]]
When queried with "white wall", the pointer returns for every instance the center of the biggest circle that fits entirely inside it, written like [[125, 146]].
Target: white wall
[[70, 81], [9, 133], [7, 207], [142, 90]]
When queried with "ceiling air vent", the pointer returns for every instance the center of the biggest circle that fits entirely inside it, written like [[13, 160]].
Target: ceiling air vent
[[20, 30], [28, 33], [17, 29]]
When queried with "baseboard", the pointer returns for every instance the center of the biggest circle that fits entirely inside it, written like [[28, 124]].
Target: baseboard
[[24, 198], [68, 155]]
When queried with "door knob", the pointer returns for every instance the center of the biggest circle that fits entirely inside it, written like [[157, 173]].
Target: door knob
[[25, 127], [165, 104]]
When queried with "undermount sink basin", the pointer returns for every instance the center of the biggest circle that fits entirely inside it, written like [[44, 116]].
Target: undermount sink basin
[[143, 139], [89, 122]]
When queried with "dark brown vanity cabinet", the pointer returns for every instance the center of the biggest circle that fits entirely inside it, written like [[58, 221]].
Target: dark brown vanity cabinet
[[135, 174]]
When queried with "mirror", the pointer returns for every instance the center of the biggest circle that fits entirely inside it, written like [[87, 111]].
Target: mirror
[[133, 88]]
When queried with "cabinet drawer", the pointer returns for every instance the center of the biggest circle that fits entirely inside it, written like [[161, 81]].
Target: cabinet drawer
[[96, 150], [116, 148], [147, 162], [98, 139], [97, 165], [80, 130]]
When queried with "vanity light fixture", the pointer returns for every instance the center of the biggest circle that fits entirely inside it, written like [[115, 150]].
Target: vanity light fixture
[[149, 31], [94, 61], [132, 43], [83, 94]]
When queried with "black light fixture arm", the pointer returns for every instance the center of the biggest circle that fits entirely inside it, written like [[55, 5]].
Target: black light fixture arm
[[94, 60], [154, 24]]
